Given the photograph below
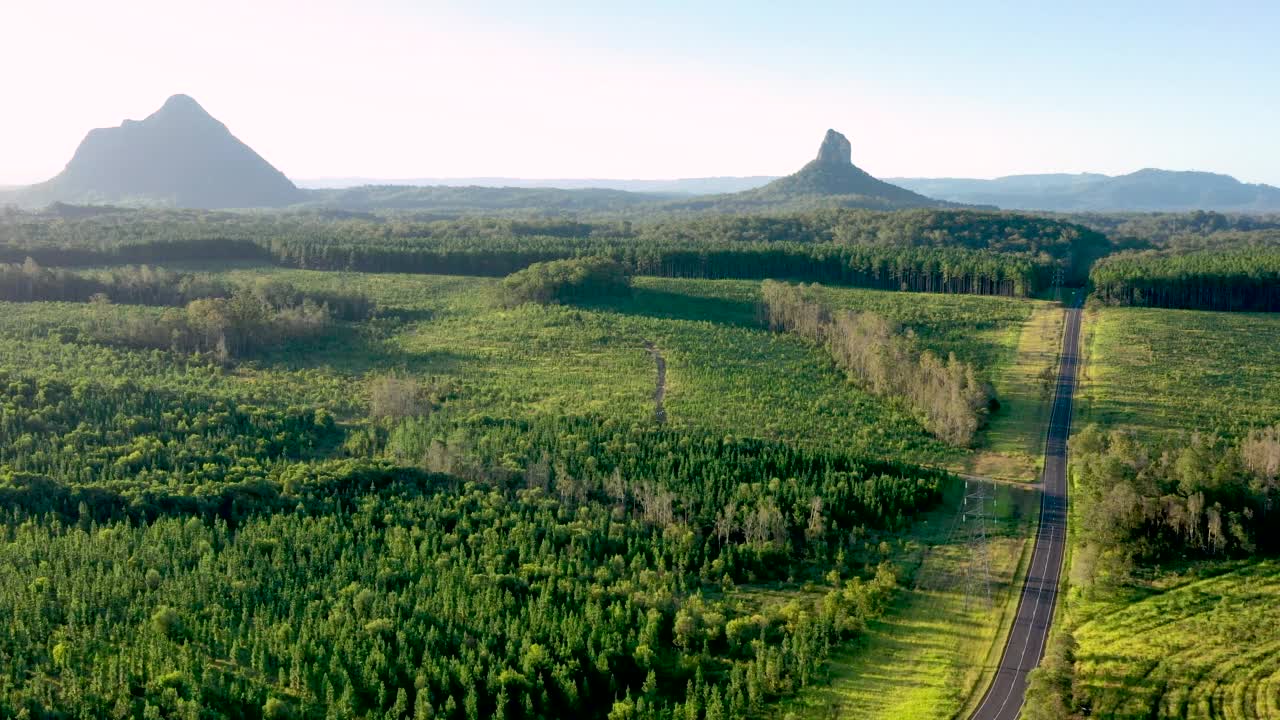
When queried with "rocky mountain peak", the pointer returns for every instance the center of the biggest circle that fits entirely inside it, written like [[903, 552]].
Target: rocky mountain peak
[[835, 149]]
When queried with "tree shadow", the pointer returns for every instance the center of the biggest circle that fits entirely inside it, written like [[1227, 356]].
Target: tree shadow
[[408, 315], [347, 349], [666, 305]]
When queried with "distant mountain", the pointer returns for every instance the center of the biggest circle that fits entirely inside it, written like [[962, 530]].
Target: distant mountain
[[681, 186], [829, 180], [1147, 190], [833, 173], [178, 156]]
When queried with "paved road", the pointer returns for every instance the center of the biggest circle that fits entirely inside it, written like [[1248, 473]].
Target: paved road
[[1025, 646]]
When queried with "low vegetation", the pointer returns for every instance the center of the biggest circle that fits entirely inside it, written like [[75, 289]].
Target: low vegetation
[[1195, 641], [1157, 372]]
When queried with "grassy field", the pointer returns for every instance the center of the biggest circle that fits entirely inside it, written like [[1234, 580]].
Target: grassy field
[[1201, 643], [931, 655], [1014, 342], [1157, 371]]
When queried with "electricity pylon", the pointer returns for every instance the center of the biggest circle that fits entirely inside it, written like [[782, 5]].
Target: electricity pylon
[[976, 516]]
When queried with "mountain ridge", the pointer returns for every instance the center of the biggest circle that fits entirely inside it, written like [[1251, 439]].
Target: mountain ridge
[[1145, 190]]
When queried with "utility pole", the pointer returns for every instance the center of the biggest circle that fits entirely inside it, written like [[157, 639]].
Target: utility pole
[[976, 517]]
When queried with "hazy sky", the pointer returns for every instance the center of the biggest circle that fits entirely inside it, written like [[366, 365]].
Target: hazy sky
[[657, 89]]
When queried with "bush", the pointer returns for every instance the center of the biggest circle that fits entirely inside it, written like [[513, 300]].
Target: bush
[[566, 280]]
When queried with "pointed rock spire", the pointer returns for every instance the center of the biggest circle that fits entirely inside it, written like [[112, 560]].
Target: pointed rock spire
[[835, 149]]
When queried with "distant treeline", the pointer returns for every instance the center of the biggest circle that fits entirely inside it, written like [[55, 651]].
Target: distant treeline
[[146, 285], [921, 250], [950, 270], [204, 315], [1237, 279], [939, 269], [884, 359], [1159, 230]]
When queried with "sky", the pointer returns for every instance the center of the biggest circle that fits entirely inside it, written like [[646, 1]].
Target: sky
[[657, 89]]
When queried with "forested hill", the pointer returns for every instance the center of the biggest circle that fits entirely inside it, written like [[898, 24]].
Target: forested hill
[[178, 156], [1148, 190], [486, 200]]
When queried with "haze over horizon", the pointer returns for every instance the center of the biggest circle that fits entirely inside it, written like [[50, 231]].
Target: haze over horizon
[[395, 89]]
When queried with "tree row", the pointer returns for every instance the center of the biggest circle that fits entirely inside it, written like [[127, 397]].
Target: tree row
[[877, 353]]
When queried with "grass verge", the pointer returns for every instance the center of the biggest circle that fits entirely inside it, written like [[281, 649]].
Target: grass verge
[[927, 656], [1014, 439]]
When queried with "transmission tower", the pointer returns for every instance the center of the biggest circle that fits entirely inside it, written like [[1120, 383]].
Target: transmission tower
[[976, 516]]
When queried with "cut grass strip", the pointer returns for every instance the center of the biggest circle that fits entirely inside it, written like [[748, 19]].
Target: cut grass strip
[[925, 658], [1014, 439], [1203, 644]]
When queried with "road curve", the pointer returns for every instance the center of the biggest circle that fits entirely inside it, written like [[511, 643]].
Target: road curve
[[1027, 638]]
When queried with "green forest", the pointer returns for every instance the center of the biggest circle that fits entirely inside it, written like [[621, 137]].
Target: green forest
[[932, 251], [391, 465]]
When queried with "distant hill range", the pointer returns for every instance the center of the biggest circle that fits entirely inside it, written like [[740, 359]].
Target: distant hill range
[[830, 180], [1143, 191], [454, 200], [178, 156], [680, 186]]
